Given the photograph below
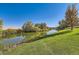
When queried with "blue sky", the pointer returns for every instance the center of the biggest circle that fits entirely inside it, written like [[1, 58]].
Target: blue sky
[[15, 15]]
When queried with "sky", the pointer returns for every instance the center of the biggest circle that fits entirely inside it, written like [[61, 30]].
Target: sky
[[16, 14]]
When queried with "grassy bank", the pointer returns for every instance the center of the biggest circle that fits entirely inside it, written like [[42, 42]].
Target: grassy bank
[[63, 42]]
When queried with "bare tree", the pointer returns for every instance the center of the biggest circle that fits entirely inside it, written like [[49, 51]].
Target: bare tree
[[71, 16]]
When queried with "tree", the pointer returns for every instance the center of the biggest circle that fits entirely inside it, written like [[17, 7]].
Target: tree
[[29, 27], [37, 25], [71, 16], [42, 26], [62, 24]]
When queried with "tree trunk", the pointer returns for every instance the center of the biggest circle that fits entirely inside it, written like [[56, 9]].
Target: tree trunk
[[72, 27]]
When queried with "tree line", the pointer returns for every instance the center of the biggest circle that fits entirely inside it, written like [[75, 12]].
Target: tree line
[[30, 27]]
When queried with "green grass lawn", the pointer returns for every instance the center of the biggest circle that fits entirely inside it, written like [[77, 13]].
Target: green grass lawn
[[63, 42]]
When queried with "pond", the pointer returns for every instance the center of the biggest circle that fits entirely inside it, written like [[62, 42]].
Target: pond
[[51, 32], [20, 39], [12, 41]]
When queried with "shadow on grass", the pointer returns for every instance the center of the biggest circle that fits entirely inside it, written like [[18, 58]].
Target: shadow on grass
[[77, 34], [45, 36]]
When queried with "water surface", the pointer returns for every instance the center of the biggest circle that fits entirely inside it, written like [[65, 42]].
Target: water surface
[[12, 41], [19, 39], [51, 32]]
